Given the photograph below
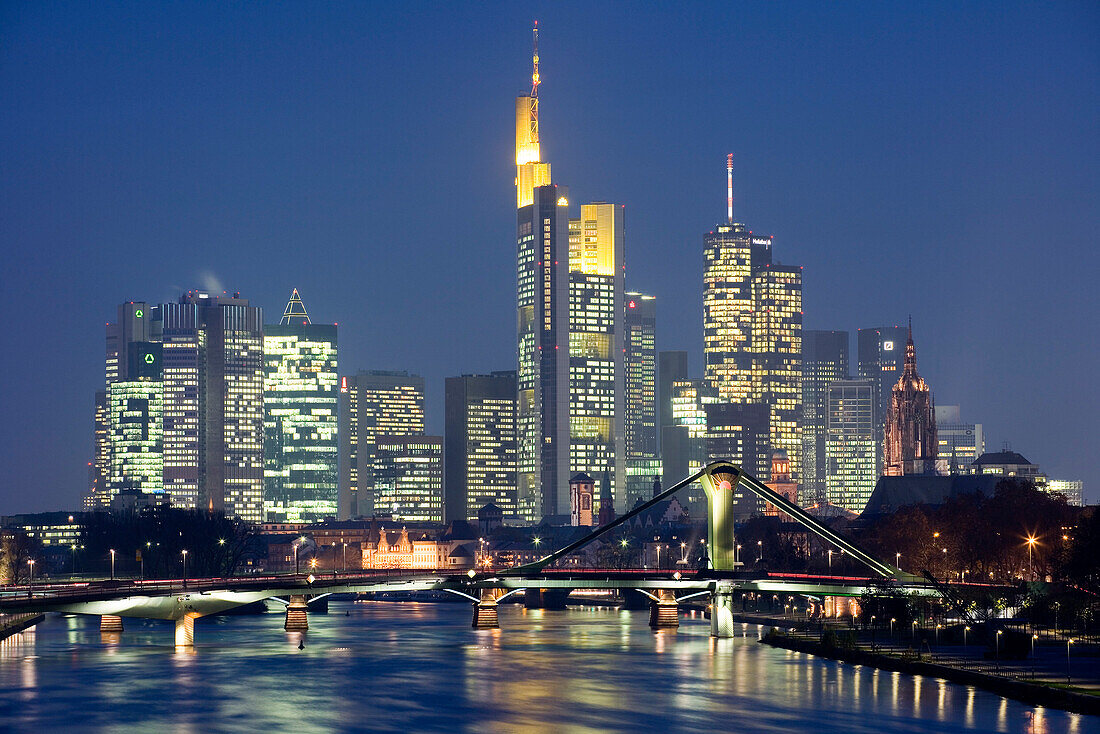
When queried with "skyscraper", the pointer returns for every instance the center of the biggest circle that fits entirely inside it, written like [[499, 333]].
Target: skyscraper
[[373, 403], [910, 435], [851, 442], [881, 356], [135, 423], [824, 360], [300, 418], [684, 443], [480, 445], [752, 328], [408, 478], [641, 375], [213, 403], [740, 432], [960, 444], [99, 496], [596, 346]]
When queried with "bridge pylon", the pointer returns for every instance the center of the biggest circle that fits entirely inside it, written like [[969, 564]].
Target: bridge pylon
[[485, 611], [664, 611], [296, 618]]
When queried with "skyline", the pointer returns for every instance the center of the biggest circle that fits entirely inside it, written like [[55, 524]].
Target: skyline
[[317, 232]]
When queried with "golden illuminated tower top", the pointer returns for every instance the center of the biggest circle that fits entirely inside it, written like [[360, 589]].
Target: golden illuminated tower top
[[530, 171]]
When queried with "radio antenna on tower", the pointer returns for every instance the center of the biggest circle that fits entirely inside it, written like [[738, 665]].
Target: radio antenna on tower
[[729, 187]]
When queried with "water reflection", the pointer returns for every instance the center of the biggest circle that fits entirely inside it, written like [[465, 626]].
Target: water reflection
[[404, 667]]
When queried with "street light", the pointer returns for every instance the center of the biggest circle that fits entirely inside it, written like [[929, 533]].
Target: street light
[[997, 637], [966, 628], [112, 564], [659, 557], [830, 558], [1069, 641], [759, 551], [30, 562], [897, 561], [184, 554], [1030, 545]]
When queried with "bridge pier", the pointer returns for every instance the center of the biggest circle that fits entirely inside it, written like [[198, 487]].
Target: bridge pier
[[485, 611], [665, 612], [110, 623], [545, 598], [296, 618], [721, 613], [185, 631]]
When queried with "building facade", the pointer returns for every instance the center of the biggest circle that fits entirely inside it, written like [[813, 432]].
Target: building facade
[[408, 478], [480, 450], [881, 357], [738, 432], [851, 443], [824, 361], [909, 445], [960, 444], [641, 375], [373, 403], [300, 418], [597, 374]]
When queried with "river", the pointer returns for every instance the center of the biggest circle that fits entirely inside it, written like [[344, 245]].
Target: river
[[409, 667]]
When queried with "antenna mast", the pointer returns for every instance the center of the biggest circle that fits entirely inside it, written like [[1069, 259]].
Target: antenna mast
[[729, 187], [535, 87]]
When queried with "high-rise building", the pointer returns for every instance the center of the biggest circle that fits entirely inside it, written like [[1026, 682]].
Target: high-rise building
[[135, 423], [641, 375], [881, 357], [738, 432], [213, 403], [960, 444], [300, 418], [373, 403], [851, 441], [685, 441], [752, 328], [99, 469], [408, 478], [672, 367], [596, 346], [480, 444], [909, 445], [824, 360]]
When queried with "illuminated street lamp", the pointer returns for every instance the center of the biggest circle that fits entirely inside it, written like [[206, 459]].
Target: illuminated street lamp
[[897, 560], [1030, 545], [31, 564], [1069, 641], [112, 564], [997, 649], [759, 551], [184, 554], [830, 557], [736, 554]]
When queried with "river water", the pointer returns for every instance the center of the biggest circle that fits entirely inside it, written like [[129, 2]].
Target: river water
[[409, 667]]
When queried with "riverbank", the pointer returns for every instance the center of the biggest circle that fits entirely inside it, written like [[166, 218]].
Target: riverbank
[[1036, 694]]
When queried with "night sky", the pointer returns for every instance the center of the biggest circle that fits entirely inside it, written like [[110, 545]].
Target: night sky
[[938, 160]]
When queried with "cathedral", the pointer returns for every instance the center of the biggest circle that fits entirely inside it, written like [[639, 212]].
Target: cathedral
[[910, 428]]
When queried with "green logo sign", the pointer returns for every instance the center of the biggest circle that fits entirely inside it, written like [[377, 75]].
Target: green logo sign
[[148, 359], [139, 313]]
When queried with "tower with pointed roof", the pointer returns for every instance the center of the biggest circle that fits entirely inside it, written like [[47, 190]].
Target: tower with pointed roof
[[909, 440], [300, 417]]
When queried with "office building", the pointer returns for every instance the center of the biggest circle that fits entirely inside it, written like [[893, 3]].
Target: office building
[[99, 468], [300, 417], [852, 437], [480, 445], [685, 441], [738, 432], [752, 328], [824, 361], [672, 367], [960, 444], [135, 423], [408, 478], [213, 403], [373, 403], [910, 434], [641, 375], [1007, 463], [880, 355], [597, 373], [1072, 490]]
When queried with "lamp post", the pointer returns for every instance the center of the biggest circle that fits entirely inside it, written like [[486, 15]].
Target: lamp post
[[759, 551], [30, 562], [966, 628], [897, 561], [112, 564], [997, 650], [1069, 641], [684, 553], [659, 557], [184, 554], [1030, 545], [72, 566], [892, 620], [344, 564], [830, 558]]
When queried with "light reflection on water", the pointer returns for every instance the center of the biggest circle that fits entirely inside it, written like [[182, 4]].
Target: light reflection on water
[[419, 667]]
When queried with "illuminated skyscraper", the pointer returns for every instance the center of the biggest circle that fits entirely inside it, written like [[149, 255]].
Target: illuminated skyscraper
[[213, 403], [851, 441], [596, 346], [408, 478], [531, 172], [372, 404], [824, 360], [684, 444], [480, 445], [300, 418], [135, 442], [641, 375], [909, 445], [752, 328]]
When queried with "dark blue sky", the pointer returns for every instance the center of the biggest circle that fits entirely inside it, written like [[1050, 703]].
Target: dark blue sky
[[933, 159]]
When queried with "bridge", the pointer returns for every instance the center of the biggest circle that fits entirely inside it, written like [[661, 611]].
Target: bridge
[[184, 600]]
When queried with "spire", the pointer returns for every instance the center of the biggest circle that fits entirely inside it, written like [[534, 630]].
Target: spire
[[295, 310], [535, 71], [910, 353], [729, 188]]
